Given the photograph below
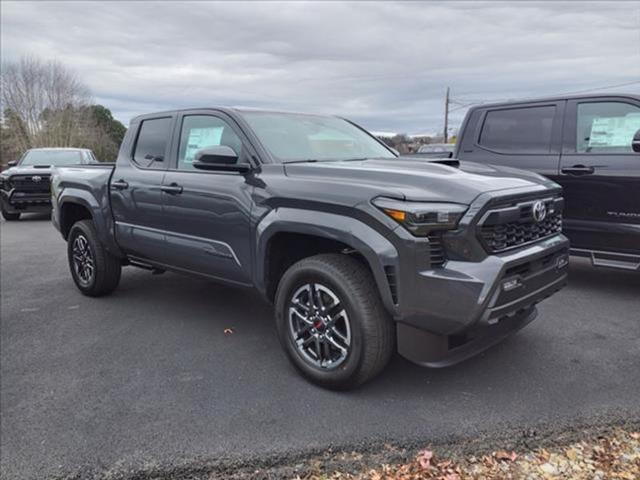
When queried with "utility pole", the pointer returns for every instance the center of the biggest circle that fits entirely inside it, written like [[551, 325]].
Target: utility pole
[[446, 117]]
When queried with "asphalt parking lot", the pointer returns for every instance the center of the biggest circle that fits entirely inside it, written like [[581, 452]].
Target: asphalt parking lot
[[148, 376]]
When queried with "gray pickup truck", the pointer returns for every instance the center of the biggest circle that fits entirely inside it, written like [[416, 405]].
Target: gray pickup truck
[[359, 250]]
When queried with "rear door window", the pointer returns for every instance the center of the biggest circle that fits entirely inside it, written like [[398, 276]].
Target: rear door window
[[518, 130], [151, 145], [606, 127]]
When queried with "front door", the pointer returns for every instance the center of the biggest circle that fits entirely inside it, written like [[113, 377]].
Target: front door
[[207, 213], [600, 174], [136, 199]]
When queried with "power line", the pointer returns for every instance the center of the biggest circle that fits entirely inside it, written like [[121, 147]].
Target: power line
[[465, 105], [587, 90], [561, 93], [598, 88]]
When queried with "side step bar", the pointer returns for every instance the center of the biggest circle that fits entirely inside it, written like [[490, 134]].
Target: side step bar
[[623, 261], [145, 266]]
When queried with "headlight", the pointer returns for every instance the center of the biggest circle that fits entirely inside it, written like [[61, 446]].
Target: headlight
[[420, 218]]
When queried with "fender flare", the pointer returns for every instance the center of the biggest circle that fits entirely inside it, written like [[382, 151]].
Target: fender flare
[[100, 214], [376, 249]]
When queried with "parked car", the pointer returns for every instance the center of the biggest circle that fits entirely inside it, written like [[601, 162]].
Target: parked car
[[24, 186], [352, 244], [436, 150], [590, 145]]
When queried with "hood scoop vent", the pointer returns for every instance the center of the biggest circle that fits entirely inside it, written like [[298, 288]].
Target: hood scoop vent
[[452, 162]]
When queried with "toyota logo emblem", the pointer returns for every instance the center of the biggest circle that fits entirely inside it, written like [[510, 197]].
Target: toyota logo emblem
[[36, 178], [539, 211]]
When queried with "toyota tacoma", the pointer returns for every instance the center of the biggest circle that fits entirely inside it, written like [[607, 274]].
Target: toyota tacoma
[[361, 251], [24, 186]]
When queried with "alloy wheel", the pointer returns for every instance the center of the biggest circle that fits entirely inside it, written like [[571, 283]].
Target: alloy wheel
[[319, 326], [83, 263]]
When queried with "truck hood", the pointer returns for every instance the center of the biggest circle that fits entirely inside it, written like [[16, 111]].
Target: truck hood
[[28, 170], [420, 179]]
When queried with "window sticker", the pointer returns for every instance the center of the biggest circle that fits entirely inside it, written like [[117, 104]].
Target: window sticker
[[613, 131], [200, 138]]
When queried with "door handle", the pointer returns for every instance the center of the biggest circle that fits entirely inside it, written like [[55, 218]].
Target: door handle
[[119, 184], [172, 189], [578, 170]]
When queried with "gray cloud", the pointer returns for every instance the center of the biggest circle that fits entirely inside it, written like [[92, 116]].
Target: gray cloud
[[385, 65]]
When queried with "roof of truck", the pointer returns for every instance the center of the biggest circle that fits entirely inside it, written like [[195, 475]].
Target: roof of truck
[[225, 109], [557, 98]]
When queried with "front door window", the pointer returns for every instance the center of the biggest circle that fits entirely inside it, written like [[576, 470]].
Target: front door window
[[606, 127]]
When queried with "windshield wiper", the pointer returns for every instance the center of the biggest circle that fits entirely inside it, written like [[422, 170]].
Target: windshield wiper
[[308, 160], [314, 160]]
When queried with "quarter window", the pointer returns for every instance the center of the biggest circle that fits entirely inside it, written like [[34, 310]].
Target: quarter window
[[519, 130], [202, 131], [152, 143], [606, 127]]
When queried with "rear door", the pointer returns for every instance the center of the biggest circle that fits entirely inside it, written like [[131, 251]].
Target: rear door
[[526, 135], [600, 174], [207, 213], [135, 189]]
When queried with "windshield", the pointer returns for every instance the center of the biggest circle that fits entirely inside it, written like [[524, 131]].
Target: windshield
[[293, 137], [51, 157]]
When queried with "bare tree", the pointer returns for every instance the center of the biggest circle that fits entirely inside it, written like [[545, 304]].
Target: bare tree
[[47, 101]]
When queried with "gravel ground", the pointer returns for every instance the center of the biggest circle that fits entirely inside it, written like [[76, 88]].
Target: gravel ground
[[608, 455]]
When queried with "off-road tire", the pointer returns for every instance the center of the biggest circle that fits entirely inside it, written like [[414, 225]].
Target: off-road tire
[[107, 268], [372, 329]]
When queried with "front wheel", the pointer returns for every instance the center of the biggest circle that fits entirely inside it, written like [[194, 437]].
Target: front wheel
[[94, 270], [331, 321], [10, 217]]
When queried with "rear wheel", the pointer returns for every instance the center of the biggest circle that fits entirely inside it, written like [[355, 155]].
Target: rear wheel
[[94, 270], [331, 321]]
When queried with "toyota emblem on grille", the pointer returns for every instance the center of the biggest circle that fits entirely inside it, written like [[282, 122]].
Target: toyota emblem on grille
[[36, 179], [539, 211]]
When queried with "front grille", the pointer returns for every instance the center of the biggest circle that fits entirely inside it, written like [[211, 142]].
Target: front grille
[[513, 234], [514, 226], [436, 250], [527, 268], [26, 183]]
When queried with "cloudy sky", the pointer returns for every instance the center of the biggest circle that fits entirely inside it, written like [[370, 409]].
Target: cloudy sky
[[385, 65]]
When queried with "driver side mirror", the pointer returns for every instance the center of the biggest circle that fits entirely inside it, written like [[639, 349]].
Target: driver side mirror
[[12, 163], [220, 158], [635, 143]]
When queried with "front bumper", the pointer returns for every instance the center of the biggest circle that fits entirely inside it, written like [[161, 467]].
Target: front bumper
[[455, 297], [436, 351], [448, 314], [14, 201]]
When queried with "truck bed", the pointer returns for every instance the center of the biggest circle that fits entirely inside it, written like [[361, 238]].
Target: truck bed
[[85, 177], [86, 185]]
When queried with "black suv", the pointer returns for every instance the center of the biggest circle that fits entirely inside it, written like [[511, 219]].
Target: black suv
[[24, 187], [588, 144]]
